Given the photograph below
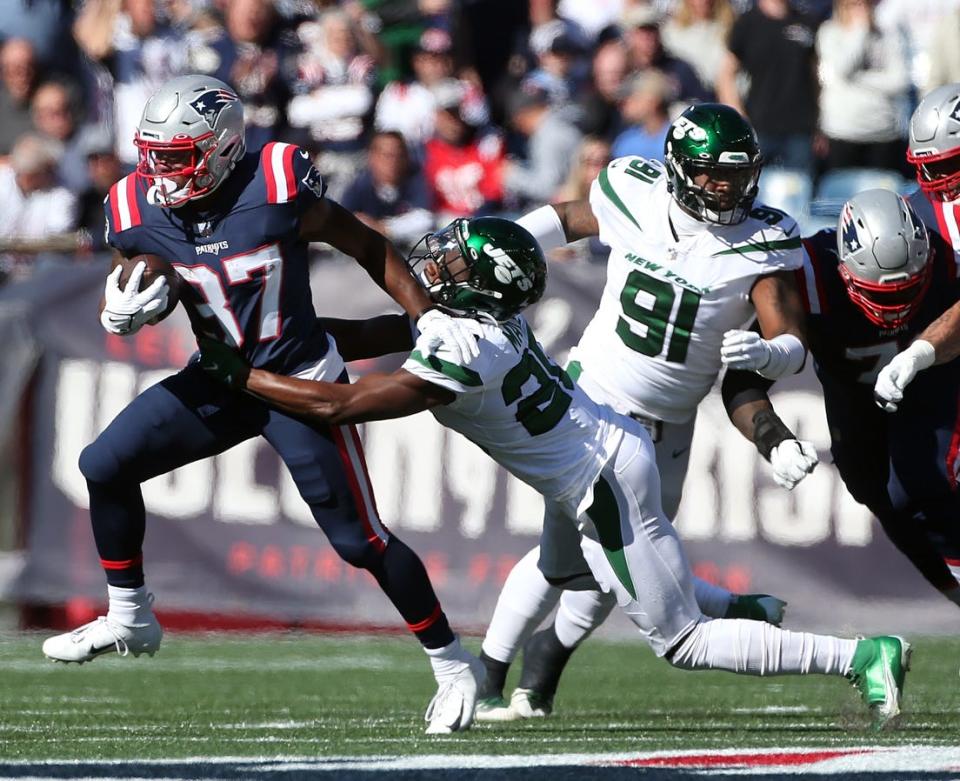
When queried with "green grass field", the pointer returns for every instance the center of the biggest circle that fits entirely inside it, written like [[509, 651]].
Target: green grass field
[[343, 695]]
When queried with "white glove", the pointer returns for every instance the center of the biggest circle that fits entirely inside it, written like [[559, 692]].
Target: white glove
[[126, 311], [897, 375], [770, 358], [792, 460], [458, 334]]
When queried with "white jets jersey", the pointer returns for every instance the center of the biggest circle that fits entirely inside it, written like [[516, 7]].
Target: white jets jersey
[[524, 411], [653, 347]]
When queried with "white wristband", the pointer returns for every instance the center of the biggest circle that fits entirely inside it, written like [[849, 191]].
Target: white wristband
[[922, 353], [787, 355], [545, 226]]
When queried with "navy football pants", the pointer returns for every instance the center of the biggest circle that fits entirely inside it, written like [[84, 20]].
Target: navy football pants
[[188, 417], [901, 466]]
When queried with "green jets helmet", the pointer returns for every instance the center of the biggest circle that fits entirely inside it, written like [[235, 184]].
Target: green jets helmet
[[713, 139], [487, 264]]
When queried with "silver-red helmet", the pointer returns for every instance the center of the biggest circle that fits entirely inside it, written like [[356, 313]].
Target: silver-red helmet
[[884, 255], [935, 142], [190, 137]]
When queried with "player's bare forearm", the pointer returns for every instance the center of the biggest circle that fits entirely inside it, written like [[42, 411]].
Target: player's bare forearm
[[779, 307], [373, 397], [577, 219], [370, 338], [329, 222], [944, 334]]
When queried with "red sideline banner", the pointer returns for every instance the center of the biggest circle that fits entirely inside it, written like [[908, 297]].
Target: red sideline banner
[[231, 535]]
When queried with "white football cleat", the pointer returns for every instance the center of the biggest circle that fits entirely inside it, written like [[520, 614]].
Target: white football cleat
[[530, 704], [104, 636], [494, 709], [451, 709]]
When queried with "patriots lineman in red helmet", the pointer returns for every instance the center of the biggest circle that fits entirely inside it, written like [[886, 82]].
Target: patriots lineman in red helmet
[[236, 227]]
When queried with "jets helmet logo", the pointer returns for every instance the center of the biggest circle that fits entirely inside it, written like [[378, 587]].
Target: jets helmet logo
[[505, 268], [210, 103]]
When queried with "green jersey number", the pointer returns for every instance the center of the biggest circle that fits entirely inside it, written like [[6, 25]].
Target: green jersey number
[[542, 409], [656, 317], [642, 170]]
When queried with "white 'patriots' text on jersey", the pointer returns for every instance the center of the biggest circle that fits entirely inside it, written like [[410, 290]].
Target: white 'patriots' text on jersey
[[653, 347]]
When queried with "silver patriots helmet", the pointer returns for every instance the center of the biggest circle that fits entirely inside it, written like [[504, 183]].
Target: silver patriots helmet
[[190, 137], [884, 255], [935, 142]]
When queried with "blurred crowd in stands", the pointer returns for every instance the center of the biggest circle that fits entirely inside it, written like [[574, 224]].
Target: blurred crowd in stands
[[417, 111]]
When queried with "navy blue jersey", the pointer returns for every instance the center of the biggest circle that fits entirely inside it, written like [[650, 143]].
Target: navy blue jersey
[[848, 350], [240, 251]]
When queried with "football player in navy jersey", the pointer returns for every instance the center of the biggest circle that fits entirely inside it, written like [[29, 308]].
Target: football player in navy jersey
[[236, 228], [872, 286]]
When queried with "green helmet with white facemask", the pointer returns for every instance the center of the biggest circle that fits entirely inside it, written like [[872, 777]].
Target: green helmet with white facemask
[[503, 269], [713, 139]]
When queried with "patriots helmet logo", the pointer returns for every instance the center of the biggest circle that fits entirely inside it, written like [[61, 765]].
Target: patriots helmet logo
[[209, 104], [849, 236]]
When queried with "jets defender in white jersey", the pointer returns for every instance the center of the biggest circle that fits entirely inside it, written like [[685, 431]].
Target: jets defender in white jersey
[[692, 260], [595, 467]]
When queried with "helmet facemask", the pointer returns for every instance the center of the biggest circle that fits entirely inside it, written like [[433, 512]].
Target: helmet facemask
[[180, 169], [938, 174], [888, 304], [728, 205]]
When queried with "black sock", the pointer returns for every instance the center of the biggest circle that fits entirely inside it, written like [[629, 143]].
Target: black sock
[[404, 580], [544, 658], [496, 677]]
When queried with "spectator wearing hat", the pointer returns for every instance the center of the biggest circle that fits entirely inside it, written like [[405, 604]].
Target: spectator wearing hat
[[600, 101], [644, 107], [642, 34], [18, 80], [697, 33], [774, 46], [103, 169], [409, 106], [552, 143], [462, 161], [34, 207], [390, 195], [560, 67]]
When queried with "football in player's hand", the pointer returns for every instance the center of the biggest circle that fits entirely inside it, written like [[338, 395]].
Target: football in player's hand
[[155, 267]]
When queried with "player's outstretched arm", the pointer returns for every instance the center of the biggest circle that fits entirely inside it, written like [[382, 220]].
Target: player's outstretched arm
[[751, 411], [559, 224], [373, 397], [329, 222], [370, 338], [782, 349], [943, 335], [938, 343]]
